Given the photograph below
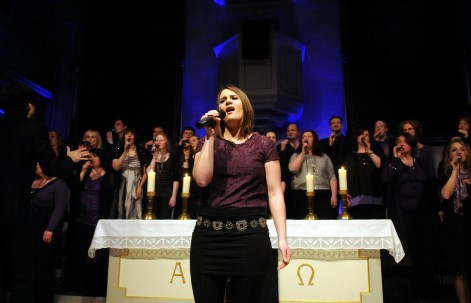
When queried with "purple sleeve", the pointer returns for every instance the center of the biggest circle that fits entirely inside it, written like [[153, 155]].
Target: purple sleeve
[[271, 152], [61, 197]]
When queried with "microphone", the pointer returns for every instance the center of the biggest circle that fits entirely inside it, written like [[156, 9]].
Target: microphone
[[306, 149], [459, 159], [154, 147], [209, 120], [363, 140]]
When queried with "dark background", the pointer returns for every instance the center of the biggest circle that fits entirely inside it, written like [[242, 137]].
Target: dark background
[[407, 60], [131, 64]]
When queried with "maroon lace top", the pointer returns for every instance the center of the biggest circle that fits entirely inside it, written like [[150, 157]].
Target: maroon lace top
[[239, 172]]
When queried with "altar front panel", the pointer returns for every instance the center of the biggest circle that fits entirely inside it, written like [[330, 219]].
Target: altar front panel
[[158, 276], [155, 266]]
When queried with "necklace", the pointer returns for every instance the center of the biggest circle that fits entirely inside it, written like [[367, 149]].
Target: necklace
[[408, 161], [96, 173], [41, 182], [160, 165], [310, 161]]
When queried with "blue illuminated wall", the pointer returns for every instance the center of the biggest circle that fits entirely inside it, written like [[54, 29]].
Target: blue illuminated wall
[[315, 23]]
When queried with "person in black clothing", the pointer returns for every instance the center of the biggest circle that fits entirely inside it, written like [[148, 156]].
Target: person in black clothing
[[114, 145], [337, 146], [95, 195], [164, 164], [383, 138], [115, 138], [185, 166], [464, 128], [286, 148], [28, 144], [49, 198], [177, 148], [365, 189], [413, 207], [454, 179]]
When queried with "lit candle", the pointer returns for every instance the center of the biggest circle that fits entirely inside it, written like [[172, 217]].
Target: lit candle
[[310, 183], [151, 181], [343, 178], [186, 184]]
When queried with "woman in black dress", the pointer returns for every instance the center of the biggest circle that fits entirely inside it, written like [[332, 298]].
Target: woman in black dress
[[413, 206], [50, 197], [455, 180]]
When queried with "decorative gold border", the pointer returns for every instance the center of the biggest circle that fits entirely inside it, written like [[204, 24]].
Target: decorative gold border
[[150, 254], [334, 255]]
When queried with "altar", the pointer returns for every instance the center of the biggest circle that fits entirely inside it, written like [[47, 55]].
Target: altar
[[332, 260]]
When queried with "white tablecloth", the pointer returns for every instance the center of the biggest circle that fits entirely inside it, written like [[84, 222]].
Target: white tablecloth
[[302, 234]]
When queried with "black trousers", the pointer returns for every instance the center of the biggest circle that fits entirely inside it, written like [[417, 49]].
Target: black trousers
[[17, 263]]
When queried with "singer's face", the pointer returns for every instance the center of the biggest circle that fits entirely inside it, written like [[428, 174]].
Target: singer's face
[[401, 142], [380, 127], [292, 131], [119, 126], [364, 135], [92, 138], [271, 135], [458, 150], [187, 134], [53, 138], [463, 124], [194, 142], [307, 136], [129, 136], [95, 160], [408, 128], [230, 103], [158, 130], [160, 141], [335, 124]]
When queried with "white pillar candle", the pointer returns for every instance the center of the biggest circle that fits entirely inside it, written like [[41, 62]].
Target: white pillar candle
[[151, 181], [310, 183], [186, 184], [343, 178]]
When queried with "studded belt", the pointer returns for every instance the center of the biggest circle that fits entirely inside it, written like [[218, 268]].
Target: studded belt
[[240, 225]]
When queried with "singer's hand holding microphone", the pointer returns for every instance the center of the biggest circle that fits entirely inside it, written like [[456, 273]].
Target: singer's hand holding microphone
[[127, 145], [397, 150], [306, 148], [154, 147], [210, 118]]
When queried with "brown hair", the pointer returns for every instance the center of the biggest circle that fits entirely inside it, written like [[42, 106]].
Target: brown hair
[[167, 141]]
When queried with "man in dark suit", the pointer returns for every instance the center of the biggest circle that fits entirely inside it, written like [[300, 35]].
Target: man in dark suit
[[25, 142], [337, 146], [382, 137]]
